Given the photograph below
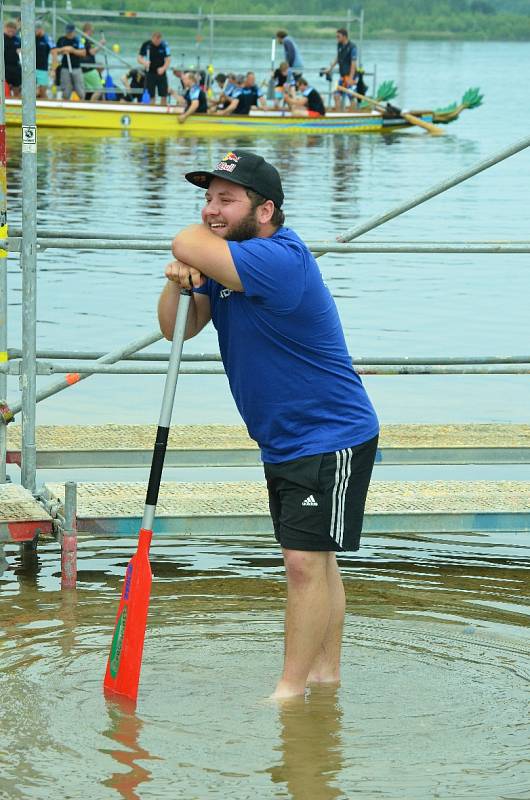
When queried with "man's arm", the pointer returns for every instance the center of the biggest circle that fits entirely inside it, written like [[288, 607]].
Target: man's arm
[[229, 109], [194, 105], [201, 249], [163, 69], [199, 313]]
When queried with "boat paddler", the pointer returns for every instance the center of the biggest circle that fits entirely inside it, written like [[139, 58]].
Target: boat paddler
[[289, 370]]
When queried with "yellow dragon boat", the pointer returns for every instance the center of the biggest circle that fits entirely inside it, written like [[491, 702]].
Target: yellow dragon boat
[[138, 118]]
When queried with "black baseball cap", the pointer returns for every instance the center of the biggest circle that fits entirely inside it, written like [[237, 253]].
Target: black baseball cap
[[246, 169]]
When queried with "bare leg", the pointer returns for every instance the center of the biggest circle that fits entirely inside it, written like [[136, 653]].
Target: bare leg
[[326, 666], [306, 618]]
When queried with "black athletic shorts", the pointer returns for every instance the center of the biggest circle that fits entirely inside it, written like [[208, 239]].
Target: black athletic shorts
[[154, 83], [13, 75], [317, 502]]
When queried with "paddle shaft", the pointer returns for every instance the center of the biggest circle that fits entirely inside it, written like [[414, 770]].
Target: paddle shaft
[[428, 126], [159, 452]]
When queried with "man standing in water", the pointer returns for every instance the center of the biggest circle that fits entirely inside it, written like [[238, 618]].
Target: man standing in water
[[289, 371]]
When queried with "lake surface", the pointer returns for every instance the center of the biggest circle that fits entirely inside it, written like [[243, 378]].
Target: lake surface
[[435, 688]]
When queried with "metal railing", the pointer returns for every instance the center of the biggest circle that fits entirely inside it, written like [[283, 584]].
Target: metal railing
[[27, 362]]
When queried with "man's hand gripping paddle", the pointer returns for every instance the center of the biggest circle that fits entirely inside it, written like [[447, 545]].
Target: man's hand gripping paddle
[[125, 660]]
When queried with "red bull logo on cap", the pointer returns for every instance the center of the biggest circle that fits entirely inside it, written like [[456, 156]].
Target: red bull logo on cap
[[224, 166]]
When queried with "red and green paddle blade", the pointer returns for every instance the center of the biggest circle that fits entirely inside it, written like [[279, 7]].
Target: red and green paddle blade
[[125, 660]]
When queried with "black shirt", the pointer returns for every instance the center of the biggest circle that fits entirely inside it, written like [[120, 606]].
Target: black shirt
[[248, 97], [346, 53], [89, 58], [43, 46], [314, 101], [11, 45], [156, 54], [279, 77], [196, 93], [75, 61]]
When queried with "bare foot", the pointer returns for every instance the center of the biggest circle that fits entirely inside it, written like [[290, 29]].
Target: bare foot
[[285, 692]]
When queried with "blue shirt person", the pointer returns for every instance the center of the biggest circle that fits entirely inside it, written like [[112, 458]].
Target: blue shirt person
[[194, 97], [292, 54]]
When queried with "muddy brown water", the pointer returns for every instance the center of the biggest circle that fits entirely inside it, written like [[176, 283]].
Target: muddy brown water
[[433, 701]]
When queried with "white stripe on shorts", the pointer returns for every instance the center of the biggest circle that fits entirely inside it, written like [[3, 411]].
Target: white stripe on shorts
[[342, 478]]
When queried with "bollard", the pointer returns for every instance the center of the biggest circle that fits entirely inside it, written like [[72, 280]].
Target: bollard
[[69, 538]]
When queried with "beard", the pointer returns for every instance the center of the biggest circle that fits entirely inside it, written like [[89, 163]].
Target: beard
[[247, 228]]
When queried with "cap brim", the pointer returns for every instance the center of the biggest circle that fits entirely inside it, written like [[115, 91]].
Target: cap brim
[[202, 179]]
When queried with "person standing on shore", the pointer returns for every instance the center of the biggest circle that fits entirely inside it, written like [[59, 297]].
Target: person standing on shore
[[155, 56], [13, 69], [44, 45], [347, 61], [285, 355], [72, 51], [91, 74], [292, 55]]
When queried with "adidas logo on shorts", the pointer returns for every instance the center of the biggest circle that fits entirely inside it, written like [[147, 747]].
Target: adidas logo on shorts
[[310, 501]]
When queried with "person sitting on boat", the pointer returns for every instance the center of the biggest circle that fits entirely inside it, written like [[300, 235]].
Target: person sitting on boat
[[44, 45], [282, 84], [251, 95], [308, 104], [155, 56], [13, 69], [218, 99], [71, 48], [194, 97], [232, 92], [134, 82], [347, 60], [91, 75]]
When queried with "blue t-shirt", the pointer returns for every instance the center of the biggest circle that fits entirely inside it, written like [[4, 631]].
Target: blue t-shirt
[[284, 352]]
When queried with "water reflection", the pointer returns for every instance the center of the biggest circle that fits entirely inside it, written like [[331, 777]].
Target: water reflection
[[124, 729], [311, 746]]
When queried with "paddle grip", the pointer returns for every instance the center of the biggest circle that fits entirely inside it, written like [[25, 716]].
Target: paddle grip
[[157, 465]]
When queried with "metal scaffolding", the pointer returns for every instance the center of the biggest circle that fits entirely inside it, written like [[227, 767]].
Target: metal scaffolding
[[28, 362]]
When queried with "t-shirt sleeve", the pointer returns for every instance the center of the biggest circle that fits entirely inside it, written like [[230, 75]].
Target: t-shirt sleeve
[[143, 49], [195, 93], [270, 271], [167, 51]]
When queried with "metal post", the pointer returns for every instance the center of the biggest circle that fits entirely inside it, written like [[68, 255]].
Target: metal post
[[3, 253], [348, 22], [69, 537], [54, 22], [198, 37], [361, 39], [29, 246], [210, 49]]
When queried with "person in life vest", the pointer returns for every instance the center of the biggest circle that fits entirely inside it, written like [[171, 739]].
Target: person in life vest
[[308, 103], [194, 97]]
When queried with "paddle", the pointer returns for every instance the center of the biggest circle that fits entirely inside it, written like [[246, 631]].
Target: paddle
[[270, 88], [125, 660], [433, 129], [109, 83], [73, 95]]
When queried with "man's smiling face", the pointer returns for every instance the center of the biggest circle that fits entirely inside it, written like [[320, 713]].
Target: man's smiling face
[[228, 211]]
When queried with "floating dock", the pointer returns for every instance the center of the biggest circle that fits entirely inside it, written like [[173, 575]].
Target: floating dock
[[115, 509], [22, 518], [77, 447]]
